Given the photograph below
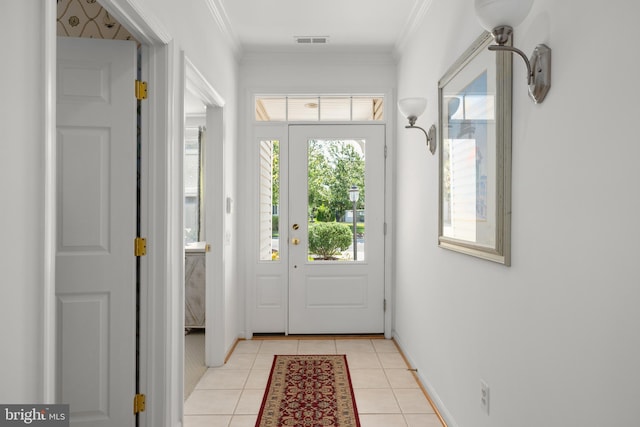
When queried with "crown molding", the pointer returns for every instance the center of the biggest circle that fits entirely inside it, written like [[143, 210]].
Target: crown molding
[[224, 24], [418, 12]]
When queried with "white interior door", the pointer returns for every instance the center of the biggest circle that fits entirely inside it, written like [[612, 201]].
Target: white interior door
[[96, 202], [332, 287]]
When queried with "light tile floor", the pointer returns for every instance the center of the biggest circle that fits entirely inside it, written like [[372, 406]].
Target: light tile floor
[[387, 394]]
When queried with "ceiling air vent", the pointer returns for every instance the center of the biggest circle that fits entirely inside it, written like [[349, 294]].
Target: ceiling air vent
[[311, 39]]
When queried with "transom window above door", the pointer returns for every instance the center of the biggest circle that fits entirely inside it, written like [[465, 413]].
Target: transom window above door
[[313, 108]]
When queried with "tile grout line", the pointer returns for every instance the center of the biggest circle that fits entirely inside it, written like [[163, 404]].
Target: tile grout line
[[299, 347]]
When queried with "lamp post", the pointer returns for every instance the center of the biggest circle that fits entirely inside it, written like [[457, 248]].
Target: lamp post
[[354, 194]]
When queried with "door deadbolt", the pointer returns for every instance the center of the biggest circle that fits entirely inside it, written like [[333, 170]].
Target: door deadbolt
[[295, 226], [295, 241]]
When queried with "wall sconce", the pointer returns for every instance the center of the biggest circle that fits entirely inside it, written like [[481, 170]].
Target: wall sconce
[[411, 108], [499, 17]]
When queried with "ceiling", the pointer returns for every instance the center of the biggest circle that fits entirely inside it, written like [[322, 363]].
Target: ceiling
[[263, 25]]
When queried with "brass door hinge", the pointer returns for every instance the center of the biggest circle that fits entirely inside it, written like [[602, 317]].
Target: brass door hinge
[[139, 403], [141, 90], [140, 246]]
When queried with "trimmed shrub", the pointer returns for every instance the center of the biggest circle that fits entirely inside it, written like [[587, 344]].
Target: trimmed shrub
[[323, 214], [328, 239]]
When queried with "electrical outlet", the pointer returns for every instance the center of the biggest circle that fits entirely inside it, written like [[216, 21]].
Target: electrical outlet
[[484, 397]]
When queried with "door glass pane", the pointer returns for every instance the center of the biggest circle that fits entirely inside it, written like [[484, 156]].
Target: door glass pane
[[303, 109], [335, 189], [271, 109], [335, 109], [269, 200], [368, 108]]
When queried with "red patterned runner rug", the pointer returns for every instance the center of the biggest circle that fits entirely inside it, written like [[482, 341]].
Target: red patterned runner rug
[[309, 391]]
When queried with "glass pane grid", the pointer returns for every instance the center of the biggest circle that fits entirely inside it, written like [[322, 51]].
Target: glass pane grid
[[329, 108]]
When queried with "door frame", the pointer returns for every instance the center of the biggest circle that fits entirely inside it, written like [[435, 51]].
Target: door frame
[[161, 373], [254, 129], [214, 218]]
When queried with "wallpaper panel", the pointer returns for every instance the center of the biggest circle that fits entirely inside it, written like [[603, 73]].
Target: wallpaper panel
[[88, 19]]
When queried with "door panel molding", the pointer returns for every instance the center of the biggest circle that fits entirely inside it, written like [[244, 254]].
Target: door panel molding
[[95, 263]]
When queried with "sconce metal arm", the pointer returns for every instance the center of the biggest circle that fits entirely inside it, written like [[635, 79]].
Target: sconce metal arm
[[431, 135], [522, 55], [418, 127], [538, 67]]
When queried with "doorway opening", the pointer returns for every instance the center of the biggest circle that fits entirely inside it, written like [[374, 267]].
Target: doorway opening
[[320, 236], [204, 211], [194, 241]]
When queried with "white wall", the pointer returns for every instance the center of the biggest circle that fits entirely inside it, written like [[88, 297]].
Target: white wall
[[317, 70], [194, 30], [25, 248], [556, 335], [22, 178]]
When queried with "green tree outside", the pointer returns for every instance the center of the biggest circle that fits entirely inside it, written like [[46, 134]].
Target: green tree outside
[[334, 166]]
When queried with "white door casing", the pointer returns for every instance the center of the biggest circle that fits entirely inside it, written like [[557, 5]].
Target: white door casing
[[96, 203], [336, 296]]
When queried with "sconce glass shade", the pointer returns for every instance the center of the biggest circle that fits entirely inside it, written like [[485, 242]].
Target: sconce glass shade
[[497, 13], [412, 107]]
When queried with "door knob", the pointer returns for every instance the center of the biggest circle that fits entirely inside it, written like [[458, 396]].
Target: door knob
[[295, 241]]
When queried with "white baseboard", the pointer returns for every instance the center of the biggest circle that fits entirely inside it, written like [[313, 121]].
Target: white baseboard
[[433, 394]]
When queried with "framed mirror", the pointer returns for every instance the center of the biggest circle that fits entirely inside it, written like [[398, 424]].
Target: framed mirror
[[474, 107]]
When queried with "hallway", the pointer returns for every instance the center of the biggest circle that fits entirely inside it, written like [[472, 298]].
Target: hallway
[[387, 395]]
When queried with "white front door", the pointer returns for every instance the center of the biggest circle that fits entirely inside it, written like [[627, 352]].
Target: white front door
[[96, 208], [336, 285]]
